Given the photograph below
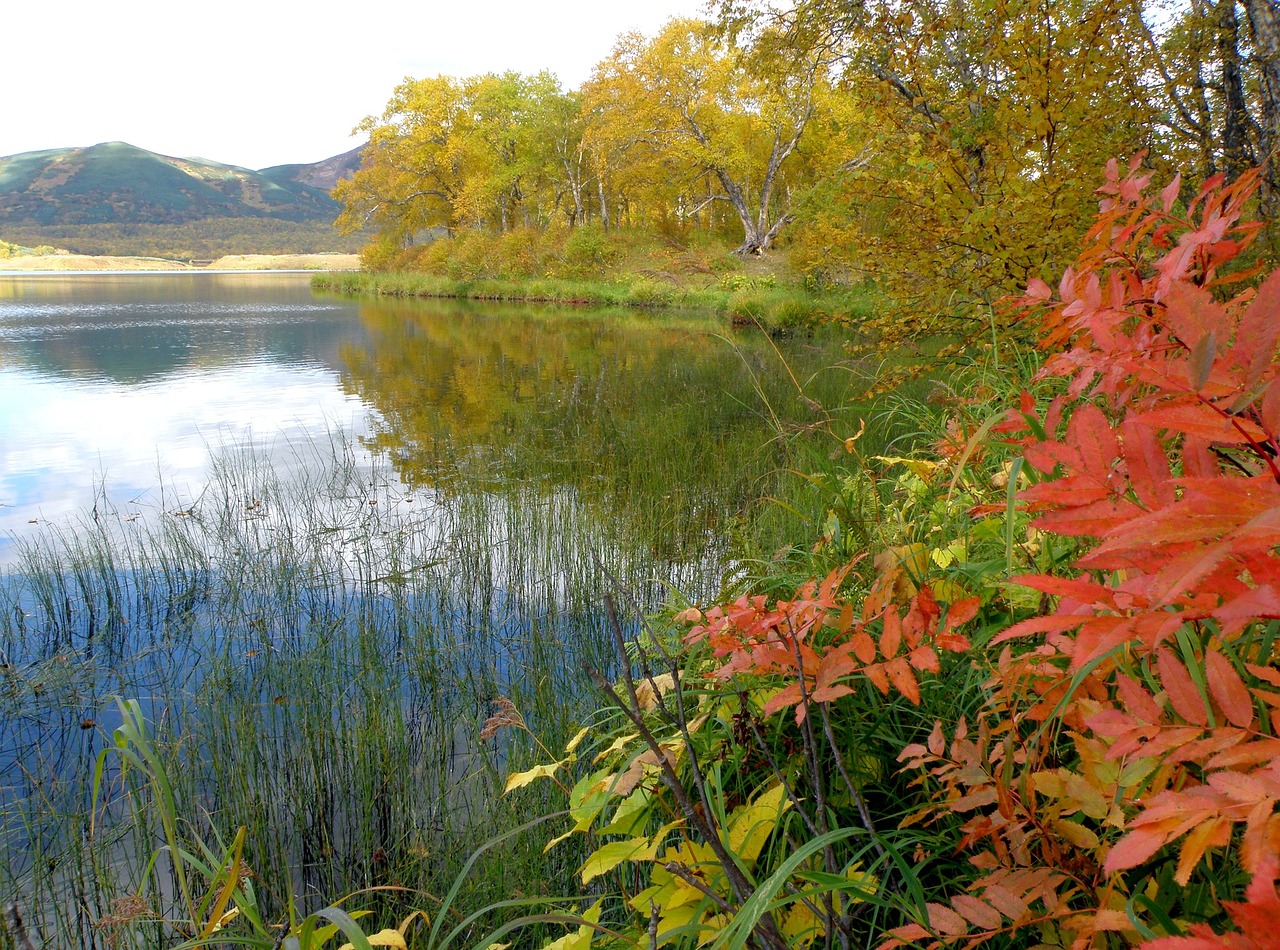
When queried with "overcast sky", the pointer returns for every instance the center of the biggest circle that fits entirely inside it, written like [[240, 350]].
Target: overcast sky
[[272, 82]]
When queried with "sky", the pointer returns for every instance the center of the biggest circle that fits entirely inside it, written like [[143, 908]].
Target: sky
[[274, 82]]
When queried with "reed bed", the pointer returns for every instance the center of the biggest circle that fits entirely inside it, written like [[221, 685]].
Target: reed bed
[[315, 652]]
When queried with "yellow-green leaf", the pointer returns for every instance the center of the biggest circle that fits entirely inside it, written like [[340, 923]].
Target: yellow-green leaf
[[521, 779], [750, 825], [618, 744], [384, 938]]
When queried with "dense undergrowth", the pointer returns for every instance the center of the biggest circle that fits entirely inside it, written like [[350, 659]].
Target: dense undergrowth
[[591, 266], [1045, 712]]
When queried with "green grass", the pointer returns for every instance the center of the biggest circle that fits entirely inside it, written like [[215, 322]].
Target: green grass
[[777, 309]]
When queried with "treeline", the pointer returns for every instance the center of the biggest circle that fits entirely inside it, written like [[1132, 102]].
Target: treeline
[[198, 240], [17, 250], [945, 148]]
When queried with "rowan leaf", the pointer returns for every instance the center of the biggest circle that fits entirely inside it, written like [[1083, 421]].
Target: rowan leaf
[[1147, 465], [1179, 687], [946, 921], [1216, 832], [977, 912], [1260, 329], [1133, 849], [899, 672], [1228, 689]]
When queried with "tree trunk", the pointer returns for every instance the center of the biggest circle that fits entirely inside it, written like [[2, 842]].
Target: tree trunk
[[604, 204], [1237, 156], [1264, 23]]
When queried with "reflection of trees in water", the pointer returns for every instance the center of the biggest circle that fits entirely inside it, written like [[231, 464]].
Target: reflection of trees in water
[[659, 423], [141, 329]]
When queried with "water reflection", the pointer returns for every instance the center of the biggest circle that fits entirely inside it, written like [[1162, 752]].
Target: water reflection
[[124, 383], [664, 422], [316, 626]]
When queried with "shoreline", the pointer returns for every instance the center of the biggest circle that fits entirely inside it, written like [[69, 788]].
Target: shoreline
[[69, 264], [778, 310]]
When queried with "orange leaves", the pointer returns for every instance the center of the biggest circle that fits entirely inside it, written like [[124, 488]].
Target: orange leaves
[[1138, 716], [817, 643], [1228, 689], [1205, 814]]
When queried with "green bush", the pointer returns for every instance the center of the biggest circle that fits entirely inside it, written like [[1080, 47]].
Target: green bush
[[589, 251]]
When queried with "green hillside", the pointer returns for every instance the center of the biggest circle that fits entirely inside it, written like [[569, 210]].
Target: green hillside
[[117, 183]]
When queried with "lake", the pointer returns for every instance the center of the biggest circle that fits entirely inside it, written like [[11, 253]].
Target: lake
[[315, 537]]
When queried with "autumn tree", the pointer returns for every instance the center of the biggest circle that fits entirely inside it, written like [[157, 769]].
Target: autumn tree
[[487, 151], [971, 127], [705, 106]]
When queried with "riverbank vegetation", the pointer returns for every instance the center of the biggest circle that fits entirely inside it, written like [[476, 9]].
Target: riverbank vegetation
[[1013, 681], [944, 154]]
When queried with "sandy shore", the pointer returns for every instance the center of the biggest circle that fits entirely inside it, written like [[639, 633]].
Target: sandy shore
[[80, 262]]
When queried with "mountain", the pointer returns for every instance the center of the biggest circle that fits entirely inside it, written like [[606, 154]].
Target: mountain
[[117, 183], [323, 175]]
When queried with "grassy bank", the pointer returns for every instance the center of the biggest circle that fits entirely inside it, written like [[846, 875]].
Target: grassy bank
[[778, 308]]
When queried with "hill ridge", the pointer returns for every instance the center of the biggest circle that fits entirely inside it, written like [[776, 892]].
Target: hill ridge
[[118, 183]]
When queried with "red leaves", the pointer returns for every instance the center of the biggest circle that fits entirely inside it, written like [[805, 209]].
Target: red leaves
[[817, 644], [1256, 917], [1151, 669]]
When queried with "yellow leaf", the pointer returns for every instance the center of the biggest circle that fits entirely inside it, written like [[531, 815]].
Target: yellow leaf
[[1077, 834], [581, 938], [619, 744], [383, 938], [801, 925], [609, 856], [947, 591], [577, 739], [923, 469], [557, 839], [521, 779], [649, 690], [751, 825]]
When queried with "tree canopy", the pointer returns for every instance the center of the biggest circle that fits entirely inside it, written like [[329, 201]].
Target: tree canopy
[[944, 149]]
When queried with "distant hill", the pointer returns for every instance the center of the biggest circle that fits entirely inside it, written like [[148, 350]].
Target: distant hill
[[323, 175], [117, 183]]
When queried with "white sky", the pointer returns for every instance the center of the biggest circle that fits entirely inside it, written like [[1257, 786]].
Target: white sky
[[272, 82]]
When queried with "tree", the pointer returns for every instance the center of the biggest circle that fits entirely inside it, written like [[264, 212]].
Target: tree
[[971, 131], [413, 168], [487, 151], [700, 103]]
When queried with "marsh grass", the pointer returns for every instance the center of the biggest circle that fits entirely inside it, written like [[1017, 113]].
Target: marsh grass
[[315, 655]]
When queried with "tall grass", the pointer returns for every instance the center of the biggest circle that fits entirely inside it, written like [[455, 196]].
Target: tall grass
[[780, 310], [315, 654]]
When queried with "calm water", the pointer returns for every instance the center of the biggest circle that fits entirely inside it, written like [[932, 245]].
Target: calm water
[[125, 383], [314, 537]]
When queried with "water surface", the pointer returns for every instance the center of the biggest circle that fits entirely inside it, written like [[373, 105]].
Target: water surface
[[124, 383], [315, 537]]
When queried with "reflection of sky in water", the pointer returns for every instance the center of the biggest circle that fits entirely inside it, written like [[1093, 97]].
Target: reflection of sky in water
[[94, 392]]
